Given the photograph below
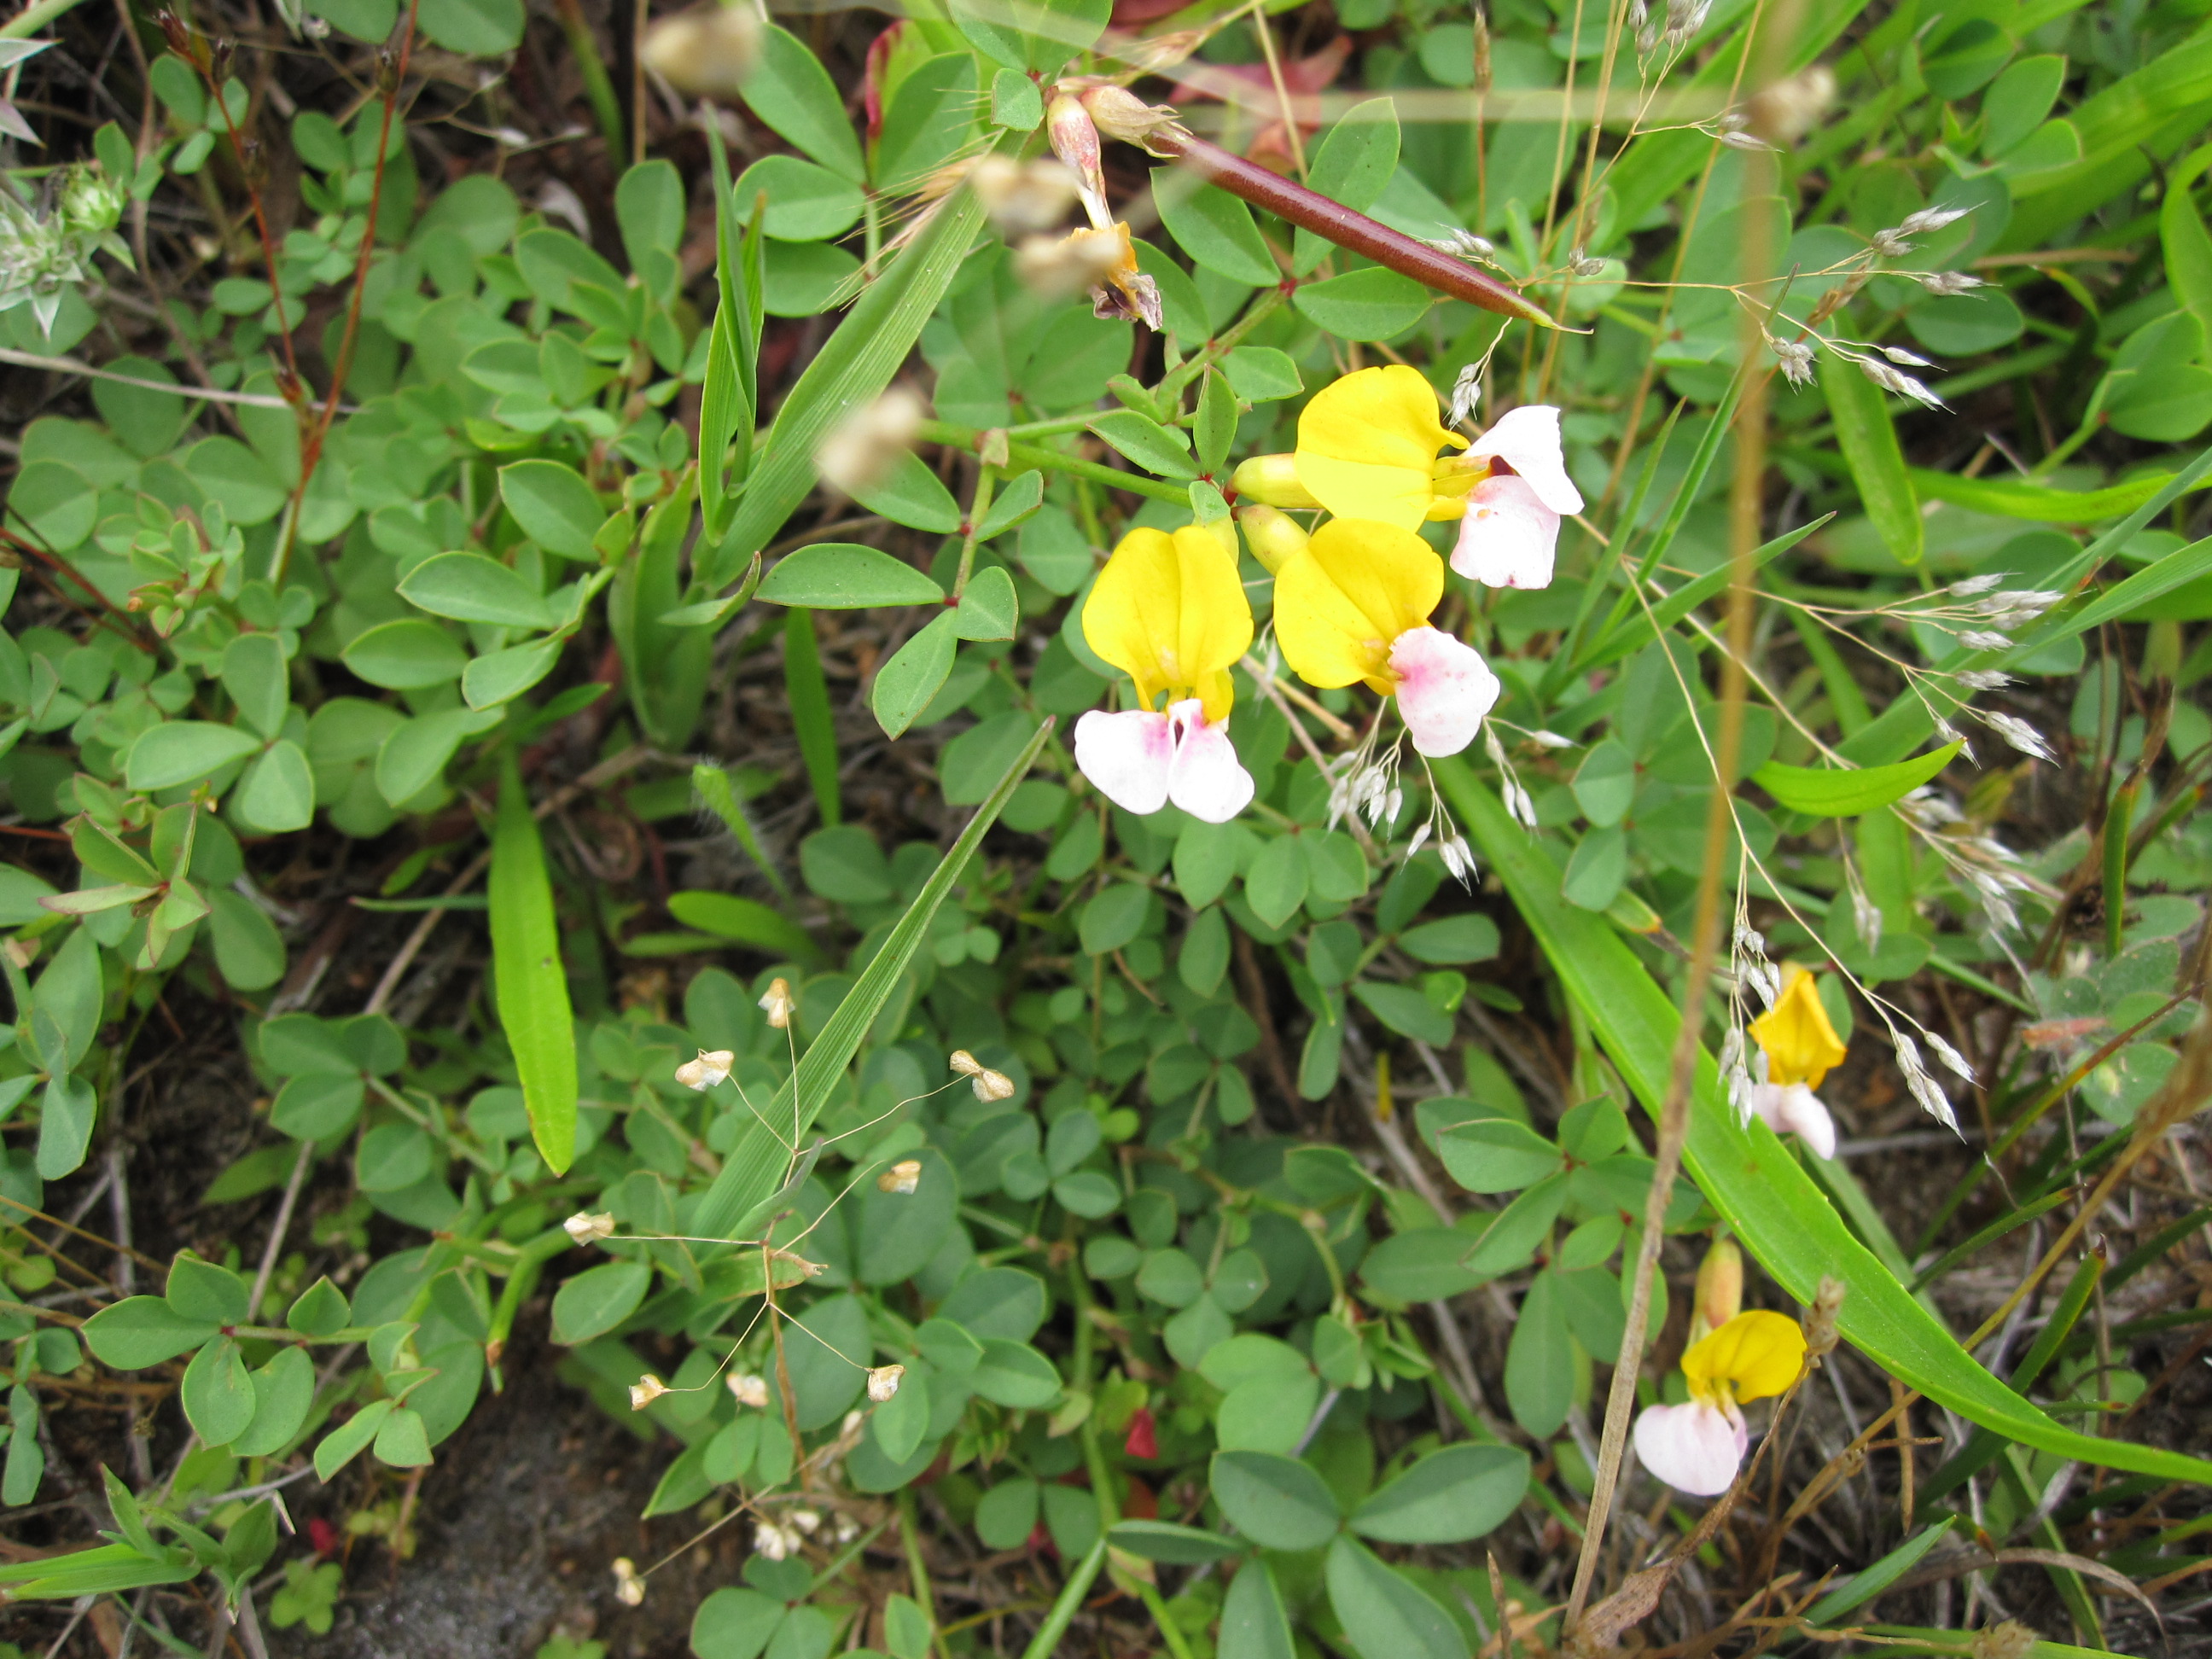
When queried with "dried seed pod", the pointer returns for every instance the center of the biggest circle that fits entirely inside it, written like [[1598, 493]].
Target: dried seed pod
[[709, 1069], [779, 1002], [902, 1176]]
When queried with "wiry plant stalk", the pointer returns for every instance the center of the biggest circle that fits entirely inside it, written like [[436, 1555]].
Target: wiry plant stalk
[[1333, 222]]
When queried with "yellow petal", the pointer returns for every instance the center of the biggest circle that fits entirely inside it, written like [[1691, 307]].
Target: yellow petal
[[1367, 444], [1753, 1355], [1341, 601], [1133, 608], [1800, 1043], [1171, 613], [1215, 617]]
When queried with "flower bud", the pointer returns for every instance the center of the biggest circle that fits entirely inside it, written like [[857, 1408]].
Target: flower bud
[[1273, 536], [861, 449], [902, 1176], [647, 1389], [629, 1588], [883, 1382], [589, 1228], [750, 1388], [709, 1069], [1120, 113], [1271, 480], [779, 1002], [1719, 1288], [707, 52], [1075, 141], [988, 1084]]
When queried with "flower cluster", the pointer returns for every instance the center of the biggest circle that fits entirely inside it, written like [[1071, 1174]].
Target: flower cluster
[[1697, 1446], [1352, 597]]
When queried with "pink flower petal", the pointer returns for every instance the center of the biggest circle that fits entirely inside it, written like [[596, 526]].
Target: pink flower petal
[[1799, 1109], [1509, 535], [1444, 688], [1694, 1448], [1127, 756], [1204, 778], [1527, 439]]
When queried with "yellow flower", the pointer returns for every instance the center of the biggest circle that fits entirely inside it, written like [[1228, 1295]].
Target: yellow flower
[[1697, 1446], [1800, 1045], [1753, 1356], [1169, 611], [1353, 605], [1367, 449]]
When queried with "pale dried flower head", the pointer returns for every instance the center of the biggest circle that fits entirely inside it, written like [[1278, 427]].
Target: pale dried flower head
[[2009, 1639], [778, 1002], [1820, 1318], [861, 450], [750, 1388], [709, 1069], [883, 1382], [647, 1389], [1059, 267], [988, 1084], [1786, 110], [629, 1588], [585, 1228], [707, 52], [807, 1520], [1023, 198], [1946, 283], [2020, 735], [902, 1176], [775, 1542]]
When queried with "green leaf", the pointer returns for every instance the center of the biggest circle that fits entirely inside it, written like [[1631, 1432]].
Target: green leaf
[[469, 587], [1014, 1375], [67, 1108], [911, 494], [931, 118], [475, 29], [794, 95], [989, 609], [1254, 1624], [1469, 938], [253, 674], [735, 1623], [845, 576], [503, 675], [1277, 1502], [1373, 304], [1496, 1155], [755, 1167], [2016, 498], [1384, 1616], [1833, 793], [1750, 1178], [909, 682], [351, 1438], [142, 1330], [1539, 1361], [283, 1389], [1213, 228], [277, 793], [1868, 441], [410, 654], [402, 1441], [811, 720], [852, 369], [1178, 1546], [1405, 1011], [748, 922], [104, 1571], [204, 1290], [532, 986], [1158, 449], [1461, 1491], [2183, 238], [178, 752], [218, 1393], [65, 1004], [805, 203], [1015, 102], [598, 1299], [555, 507]]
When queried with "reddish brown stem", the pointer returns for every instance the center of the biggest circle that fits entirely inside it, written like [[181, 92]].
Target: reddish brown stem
[[1334, 222]]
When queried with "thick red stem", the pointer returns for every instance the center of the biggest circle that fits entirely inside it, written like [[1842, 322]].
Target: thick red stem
[[1333, 222]]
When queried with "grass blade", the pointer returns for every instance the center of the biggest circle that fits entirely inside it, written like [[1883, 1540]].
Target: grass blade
[[810, 712], [1867, 437], [1748, 1175], [755, 1167], [531, 985]]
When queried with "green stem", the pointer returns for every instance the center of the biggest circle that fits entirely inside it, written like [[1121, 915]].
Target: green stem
[[2116, 817], [598, 89], [1170, 390], [1069, 1601], [1029, 458], [1169, 1634], [918, 1569], [986, 483]]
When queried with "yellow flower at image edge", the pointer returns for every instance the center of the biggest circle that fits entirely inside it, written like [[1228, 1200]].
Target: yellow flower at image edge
[[1169, 611], [1354, 606], [1697, 1447]]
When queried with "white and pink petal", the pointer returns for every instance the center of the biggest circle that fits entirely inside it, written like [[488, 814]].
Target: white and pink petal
[[1527, 439], [1205, 779], [1508, 538], [1129, 757], [1444, 688], [1695, 1448]]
